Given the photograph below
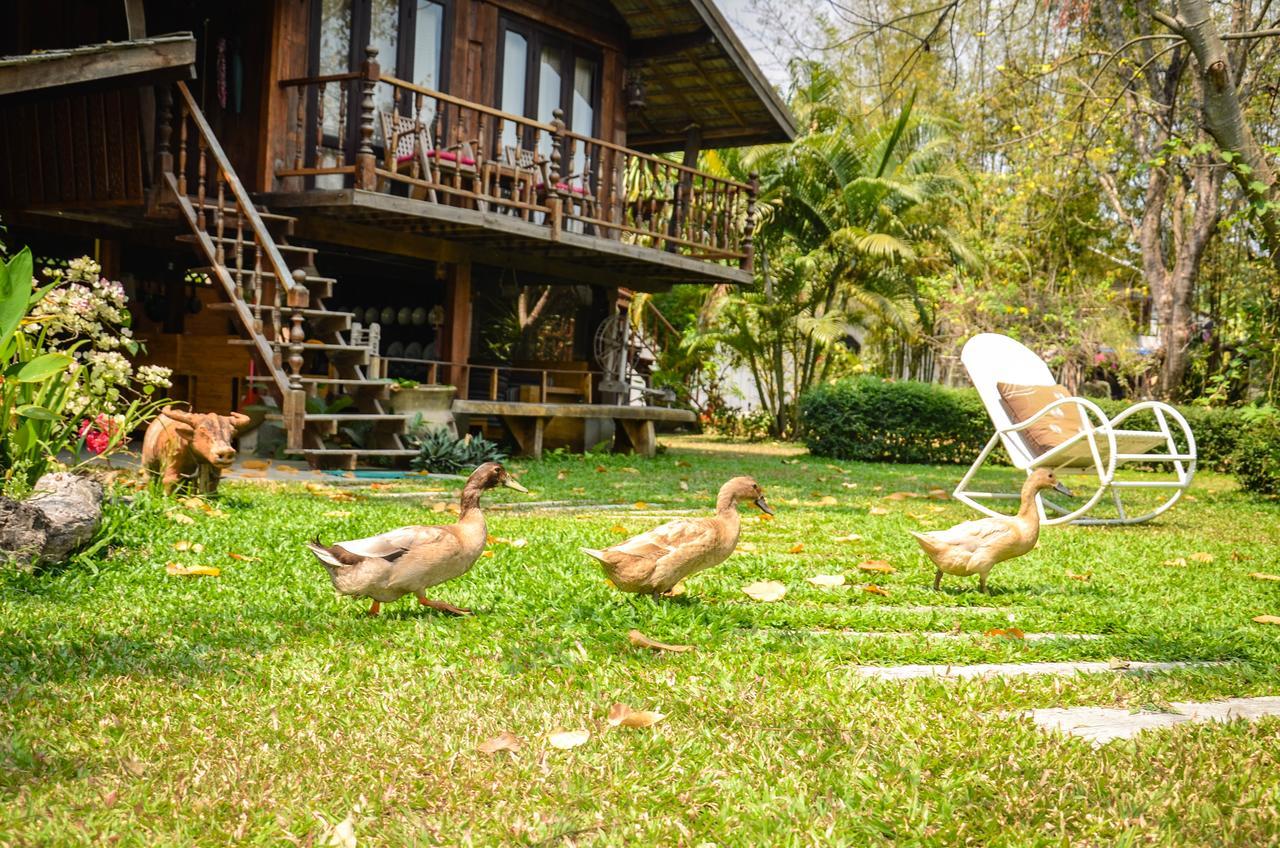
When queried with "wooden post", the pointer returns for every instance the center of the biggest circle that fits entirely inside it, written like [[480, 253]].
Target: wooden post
[[294, 411], [749, 228], [164, 130], [557, 169], [366, 164], [455, 347], [297, 298]]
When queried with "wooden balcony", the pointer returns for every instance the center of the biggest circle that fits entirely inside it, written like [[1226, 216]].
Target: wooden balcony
[[409, 159]]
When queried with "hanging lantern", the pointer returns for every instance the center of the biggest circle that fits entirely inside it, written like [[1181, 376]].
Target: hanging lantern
[[634, 90]]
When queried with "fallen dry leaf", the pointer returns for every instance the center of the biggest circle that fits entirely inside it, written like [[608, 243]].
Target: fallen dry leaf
[[1267, 619], [680, 463], [850, 485], [518, 543], [765, 591], [184, 545], [1116, 664], [877, 565], [255, 464], [561, 475], [439, 506], [487, 554], [1177, 562], [181, 518], [828, 581], [627, 469], [618, 528], [1258, 575], [1239, 557], [684, 487], [242, 557], [877, 510], [602, 469], [796, 548], [286, 469], [747, 547], [191, 571], [828, 500], [939, 494], [343, 834], [676, 591], [640, 505], [764, 516], [566, 739], [1202, 556], [338, 513], [621, 715], [639, 640], [852, 537], [875, 590], [1084, 578], [1010, 633], [504, 741], [900, 496]]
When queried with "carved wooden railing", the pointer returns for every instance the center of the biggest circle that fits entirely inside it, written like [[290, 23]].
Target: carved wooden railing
[[242, 254], [439, 372], [481, 158]]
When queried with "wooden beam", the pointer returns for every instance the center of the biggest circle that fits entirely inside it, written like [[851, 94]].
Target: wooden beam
[[617, 412], [456, 344], [668, 45], [379, 239], [134, 62]]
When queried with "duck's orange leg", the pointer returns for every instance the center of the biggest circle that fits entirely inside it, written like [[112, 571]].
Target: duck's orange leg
[[375, 608], [442, 606]]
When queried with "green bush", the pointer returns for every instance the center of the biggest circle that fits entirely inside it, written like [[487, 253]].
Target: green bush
[[441, 452], [876, 420], [1256, 463]]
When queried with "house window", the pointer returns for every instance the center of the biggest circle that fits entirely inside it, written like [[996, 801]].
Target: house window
[[410, 36], [543, 71]]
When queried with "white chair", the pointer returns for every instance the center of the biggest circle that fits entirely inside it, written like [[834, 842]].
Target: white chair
[[1098, 451]]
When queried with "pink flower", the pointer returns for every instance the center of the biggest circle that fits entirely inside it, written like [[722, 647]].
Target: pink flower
[[97, 433]]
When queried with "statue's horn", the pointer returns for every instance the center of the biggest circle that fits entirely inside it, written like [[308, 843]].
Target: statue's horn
[[188, 418]]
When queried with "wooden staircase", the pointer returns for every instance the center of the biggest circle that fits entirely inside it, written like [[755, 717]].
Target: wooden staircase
[[275, 295]]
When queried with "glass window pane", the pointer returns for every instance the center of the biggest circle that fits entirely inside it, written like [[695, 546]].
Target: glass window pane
[[384, 29], [583, 115], [550, 74], [515, 56], [428, 41], [335, 54]]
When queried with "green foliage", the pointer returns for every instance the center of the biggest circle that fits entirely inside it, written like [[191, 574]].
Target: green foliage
[[884, 421], [441, 452], [1256, 463]]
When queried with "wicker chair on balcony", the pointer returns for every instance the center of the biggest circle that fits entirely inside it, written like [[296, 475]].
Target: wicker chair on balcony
[[578, 197], [409, 148]]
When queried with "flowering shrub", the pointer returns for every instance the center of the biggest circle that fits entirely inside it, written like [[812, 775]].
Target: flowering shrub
[[66, 381]]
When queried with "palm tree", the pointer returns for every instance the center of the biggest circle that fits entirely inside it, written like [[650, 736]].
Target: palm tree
[[853, 215]]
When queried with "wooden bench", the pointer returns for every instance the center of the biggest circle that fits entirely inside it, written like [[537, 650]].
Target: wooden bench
[[528, 421]]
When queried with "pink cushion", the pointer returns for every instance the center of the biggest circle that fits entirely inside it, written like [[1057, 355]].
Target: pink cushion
[[582, 190], [443, 155]]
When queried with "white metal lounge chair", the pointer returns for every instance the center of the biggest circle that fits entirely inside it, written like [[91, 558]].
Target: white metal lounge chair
[[1100, 449]]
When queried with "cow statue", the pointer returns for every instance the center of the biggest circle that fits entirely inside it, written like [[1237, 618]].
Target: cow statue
[[191, 446]]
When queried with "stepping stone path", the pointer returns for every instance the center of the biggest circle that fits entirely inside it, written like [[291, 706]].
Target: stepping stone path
[[1060, 669], [1101, 725], [1026, 637]]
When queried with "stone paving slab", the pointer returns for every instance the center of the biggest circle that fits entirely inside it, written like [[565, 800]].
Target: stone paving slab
[[989, 670], [1026, 637], [1101, 725]]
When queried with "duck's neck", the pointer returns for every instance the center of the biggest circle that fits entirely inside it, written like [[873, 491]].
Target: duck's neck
[[726, 503], [1028, 510], [470, 501]]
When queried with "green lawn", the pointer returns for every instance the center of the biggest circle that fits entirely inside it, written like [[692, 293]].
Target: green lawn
[[142, 708]]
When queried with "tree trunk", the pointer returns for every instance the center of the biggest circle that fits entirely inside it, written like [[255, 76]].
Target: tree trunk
[[1224, 118]]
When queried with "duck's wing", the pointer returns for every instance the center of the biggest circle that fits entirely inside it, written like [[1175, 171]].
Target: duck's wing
[[393, 544], [683, 536], [972, 536]]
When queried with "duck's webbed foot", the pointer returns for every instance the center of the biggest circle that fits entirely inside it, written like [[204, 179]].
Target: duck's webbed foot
[[375, 608], [442, 606]]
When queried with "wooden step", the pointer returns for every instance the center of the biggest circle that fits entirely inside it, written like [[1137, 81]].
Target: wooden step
[[352, 451], [342, 319], [229, 243], [348, 416], [267, 217], [317, 379], [349, 354], [319, 287]]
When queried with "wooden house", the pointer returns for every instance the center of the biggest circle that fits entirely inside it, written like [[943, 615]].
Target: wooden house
[[309, 197]]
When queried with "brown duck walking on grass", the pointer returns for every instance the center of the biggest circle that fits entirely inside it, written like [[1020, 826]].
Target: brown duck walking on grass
[[975, 547], [409, 560], [656, 561]]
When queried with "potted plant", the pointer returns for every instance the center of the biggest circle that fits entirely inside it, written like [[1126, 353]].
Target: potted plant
[[433, 403]]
